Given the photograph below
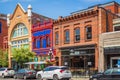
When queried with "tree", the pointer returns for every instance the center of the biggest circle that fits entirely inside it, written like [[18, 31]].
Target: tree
[[3, 58], [22, 55]]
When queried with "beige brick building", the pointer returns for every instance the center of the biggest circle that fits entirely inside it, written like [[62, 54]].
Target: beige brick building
[[109, 48]]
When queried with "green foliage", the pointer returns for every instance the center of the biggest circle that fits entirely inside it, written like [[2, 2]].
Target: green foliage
[[3, 58], [22, 55]]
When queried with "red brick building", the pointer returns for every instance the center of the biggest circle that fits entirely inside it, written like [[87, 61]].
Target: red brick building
[[76, 37], [3, 31]]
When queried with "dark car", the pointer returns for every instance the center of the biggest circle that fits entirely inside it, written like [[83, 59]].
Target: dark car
[[109, 74], [25, 73]]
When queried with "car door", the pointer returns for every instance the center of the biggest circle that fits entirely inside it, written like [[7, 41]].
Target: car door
[[20, 73], [116, 74], [107, 75], [51, 72], [45, 73]]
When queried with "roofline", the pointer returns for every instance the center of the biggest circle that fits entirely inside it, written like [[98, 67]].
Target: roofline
[[99, 5]]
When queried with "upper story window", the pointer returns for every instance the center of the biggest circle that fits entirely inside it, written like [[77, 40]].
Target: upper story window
[[77, 34], [20, 30], [56, 38], [48, 41], [88, 32], [0, 27], [67, 36], [117, 28]]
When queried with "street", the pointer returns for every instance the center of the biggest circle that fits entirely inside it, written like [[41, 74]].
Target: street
[[75, 78]]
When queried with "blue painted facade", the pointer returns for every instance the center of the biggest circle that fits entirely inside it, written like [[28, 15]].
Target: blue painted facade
[[42, 39]]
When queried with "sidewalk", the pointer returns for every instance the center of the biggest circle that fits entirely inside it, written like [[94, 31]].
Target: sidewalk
[[79, 78]]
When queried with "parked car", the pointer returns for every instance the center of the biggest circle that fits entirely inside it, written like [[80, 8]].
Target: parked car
[[55, 73], [25, 73], [6, 72], [109, 74]]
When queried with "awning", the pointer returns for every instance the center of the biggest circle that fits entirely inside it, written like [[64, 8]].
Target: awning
[[41, 62]]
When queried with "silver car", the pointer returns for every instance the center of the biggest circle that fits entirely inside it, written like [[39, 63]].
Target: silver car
[[6, 72]]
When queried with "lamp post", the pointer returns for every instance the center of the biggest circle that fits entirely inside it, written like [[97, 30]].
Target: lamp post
[[50, 54]]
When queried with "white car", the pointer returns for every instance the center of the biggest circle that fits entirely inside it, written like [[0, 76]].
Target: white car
[[55, 73], [6, 72]]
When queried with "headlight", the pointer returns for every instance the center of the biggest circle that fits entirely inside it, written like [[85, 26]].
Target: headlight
[[90, 76]]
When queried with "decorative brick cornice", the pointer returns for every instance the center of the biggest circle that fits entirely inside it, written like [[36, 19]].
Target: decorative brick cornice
[[75, 16]]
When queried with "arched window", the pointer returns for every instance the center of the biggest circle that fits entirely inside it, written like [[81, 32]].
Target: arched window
[[37, 43], [77, 34], [0, 27], [67, 36], [20, 30]]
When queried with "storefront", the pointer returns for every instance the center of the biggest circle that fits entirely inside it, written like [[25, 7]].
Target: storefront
[[79, 58], [112, 57]]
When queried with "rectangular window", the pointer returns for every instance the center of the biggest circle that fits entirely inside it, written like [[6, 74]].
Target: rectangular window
[[67, 36], [77, 34], [0, 27], [88, 32], [56, 38]]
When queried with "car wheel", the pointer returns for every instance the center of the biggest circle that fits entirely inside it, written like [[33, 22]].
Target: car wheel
[[55, 77], [24, 77], [94, 78], [3, 76], [15, 77], [39, 77]]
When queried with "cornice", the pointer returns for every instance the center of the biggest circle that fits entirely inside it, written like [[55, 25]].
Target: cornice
[[75, 16]]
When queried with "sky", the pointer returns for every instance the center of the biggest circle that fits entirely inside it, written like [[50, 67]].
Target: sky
[[50, 8]]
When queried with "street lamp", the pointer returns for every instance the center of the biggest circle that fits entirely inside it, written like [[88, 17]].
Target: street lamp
[[50, 54]]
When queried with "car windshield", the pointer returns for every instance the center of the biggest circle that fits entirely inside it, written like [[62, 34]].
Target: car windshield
[[2, 69], [64, 68], [109, 71]]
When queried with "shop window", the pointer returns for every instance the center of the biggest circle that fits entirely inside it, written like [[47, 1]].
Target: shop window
[[117, 28], [67, 36], [0, 27], [88, 33], [56, 38], [77, 34]]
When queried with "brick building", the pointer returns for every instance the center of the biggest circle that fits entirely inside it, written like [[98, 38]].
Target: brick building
[[110, 47], [19, 29], [76, 37], [3, 31]]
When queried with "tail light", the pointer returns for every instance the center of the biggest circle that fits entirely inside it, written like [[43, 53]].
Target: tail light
[[61, 71]]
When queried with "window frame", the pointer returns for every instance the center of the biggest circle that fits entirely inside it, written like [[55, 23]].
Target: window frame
[[0, 27], [75, 40], [87, 32], [56, 38], [65, 37]]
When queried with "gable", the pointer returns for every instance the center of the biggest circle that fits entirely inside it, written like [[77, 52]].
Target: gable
[[18, 11]]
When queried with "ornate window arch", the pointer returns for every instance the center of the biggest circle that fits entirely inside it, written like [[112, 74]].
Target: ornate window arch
[[19, 30]]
